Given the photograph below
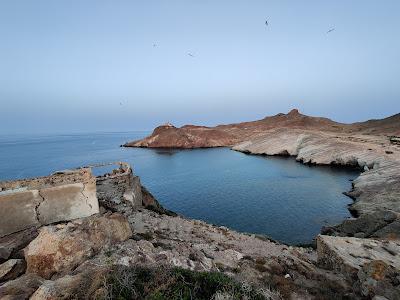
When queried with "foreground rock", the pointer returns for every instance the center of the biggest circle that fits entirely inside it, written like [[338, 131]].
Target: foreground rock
[[11, 269], [21, 288], [86, 284], [373, 265], [11, 246], [59, 249], [62, 196]]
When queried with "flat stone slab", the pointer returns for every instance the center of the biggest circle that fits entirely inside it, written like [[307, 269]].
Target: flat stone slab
[[348, 254], [62, 196]]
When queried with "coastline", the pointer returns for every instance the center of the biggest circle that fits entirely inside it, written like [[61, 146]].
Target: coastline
[[315, 141]]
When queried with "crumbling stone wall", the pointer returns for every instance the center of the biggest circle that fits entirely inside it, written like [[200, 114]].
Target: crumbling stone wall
[[119, 188], [62, 196]]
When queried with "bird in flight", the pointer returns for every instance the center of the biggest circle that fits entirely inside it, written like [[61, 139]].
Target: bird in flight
[[330, 30], [190, 54], [154, 45], [266, 22]]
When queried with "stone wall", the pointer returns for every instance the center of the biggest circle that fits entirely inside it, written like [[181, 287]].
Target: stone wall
[[40, 201]]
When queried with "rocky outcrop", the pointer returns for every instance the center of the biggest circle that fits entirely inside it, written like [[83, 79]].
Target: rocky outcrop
[[87, 284], [21, 288], [11, 246], [11, 269], [119, 189], [59, 249], [40, 201], [372, 265], [186, 137]]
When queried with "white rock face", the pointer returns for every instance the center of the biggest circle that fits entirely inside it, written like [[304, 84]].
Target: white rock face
[[348, 254]]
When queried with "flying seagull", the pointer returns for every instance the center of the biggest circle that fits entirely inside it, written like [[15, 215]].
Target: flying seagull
[[266, 22], [154, 45], [330, 30], [190, 54]]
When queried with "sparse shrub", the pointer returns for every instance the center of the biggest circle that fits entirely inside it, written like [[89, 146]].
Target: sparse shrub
[[173, 284]]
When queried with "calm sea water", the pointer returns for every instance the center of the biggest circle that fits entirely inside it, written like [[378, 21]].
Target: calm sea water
[[277, 197]]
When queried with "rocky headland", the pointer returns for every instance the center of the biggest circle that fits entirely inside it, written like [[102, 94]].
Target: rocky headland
[[370, 146]]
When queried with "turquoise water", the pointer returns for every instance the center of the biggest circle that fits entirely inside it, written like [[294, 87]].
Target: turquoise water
[[278, 197]]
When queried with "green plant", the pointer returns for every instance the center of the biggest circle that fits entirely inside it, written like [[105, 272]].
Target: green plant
[[173, 284]]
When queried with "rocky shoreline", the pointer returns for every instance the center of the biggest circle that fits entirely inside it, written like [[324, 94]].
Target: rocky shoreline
[[367, 146], [375, 192], [74, 259]]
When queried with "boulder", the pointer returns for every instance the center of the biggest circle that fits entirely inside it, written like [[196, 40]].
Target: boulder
[[11, 269], [378, 279], [21, 288], [11, 245], [380, 224], [59, 249], [85, 285], [348, 254], [371, 266]]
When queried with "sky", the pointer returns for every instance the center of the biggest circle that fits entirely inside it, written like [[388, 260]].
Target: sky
[[81, 66]]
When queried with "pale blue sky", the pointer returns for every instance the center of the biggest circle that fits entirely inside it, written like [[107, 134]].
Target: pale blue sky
[[65, 66]]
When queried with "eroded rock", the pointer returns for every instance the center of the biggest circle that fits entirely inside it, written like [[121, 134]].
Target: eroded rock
[[11, 245], [11, 269], [21, 288], [378, 279], [348, 255], [62, 196], [59, 249], [85, 285]]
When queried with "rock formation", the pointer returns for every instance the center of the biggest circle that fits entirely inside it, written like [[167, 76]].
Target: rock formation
[[190, 136]]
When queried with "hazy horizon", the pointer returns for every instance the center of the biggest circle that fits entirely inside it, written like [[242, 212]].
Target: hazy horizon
[[122, 66]]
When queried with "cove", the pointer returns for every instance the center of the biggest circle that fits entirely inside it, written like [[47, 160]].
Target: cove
[[273, 196]]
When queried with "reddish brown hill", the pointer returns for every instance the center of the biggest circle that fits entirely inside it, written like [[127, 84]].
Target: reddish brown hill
[[191, 136], [388, 126]]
